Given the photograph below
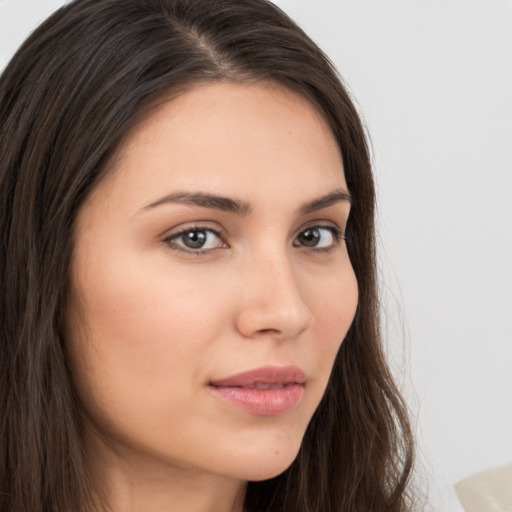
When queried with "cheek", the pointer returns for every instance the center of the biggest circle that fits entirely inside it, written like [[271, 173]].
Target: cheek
[[335, 305], [139, 312], [143, 331]]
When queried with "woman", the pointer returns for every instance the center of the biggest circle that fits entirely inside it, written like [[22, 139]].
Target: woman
[[189, 312]]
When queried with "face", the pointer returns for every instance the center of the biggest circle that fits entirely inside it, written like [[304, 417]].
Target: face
[[211, 286]]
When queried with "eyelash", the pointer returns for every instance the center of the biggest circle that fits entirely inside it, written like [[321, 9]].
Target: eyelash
[[337, 234]]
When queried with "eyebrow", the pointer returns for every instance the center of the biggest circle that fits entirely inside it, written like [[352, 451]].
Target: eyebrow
[[243, 208], [333, 197], [204, 200]]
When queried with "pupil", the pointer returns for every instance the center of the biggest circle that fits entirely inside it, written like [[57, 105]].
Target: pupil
[[309, 237], [195, 239]]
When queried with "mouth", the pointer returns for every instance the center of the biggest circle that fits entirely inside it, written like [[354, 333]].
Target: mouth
[[266, 385], [265, 391]]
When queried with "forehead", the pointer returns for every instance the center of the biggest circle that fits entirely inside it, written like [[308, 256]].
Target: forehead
[[216, 108], [231, 139]]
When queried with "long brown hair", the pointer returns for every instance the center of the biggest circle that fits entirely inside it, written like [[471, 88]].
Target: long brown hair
[[67, 98]]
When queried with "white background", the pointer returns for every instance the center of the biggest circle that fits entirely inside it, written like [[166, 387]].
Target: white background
[[433, 80]]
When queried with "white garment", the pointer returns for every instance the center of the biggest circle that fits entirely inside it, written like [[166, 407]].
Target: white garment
[[490, 491]]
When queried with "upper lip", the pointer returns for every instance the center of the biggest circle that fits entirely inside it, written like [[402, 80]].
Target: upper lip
[[263, 375]]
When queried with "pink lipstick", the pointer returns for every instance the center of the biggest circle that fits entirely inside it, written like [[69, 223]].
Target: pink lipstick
[[265, 391]]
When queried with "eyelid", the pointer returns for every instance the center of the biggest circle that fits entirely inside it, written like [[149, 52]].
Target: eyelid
[[320, 223], [327, 224]]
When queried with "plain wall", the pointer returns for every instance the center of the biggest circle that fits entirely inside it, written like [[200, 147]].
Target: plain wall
[[433, 80]]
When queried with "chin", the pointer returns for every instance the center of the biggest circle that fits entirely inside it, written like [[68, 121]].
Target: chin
[[266, 473], [266, 463]]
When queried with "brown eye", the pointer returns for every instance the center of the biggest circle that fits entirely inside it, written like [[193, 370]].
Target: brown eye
[[309, 237], [319, 237], [195, 239]]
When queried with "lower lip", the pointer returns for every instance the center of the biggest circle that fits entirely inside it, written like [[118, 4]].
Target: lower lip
[[262, 402]]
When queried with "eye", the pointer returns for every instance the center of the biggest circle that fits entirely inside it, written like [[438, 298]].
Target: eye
[[196, 239], [318, 237]]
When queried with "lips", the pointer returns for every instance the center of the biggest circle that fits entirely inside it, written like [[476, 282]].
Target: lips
[[265, 391]]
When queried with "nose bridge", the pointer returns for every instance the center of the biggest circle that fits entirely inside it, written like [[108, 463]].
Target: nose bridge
[[274, 302]]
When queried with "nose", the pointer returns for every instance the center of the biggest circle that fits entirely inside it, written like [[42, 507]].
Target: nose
[[272, 303]]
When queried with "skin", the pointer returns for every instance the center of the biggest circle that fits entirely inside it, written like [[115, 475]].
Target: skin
[[151, 322]]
